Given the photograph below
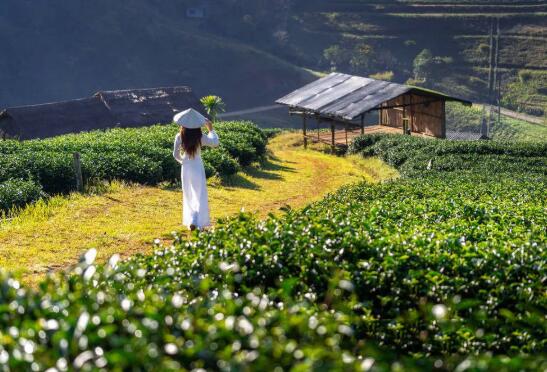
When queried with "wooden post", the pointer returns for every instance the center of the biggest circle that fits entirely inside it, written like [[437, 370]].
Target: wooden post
[[443, 120], [78, 172], [380, 114], [332, 129], [412, 114], [318, 129], [362, 123], [405, 120], [346, 130], [304, 119]]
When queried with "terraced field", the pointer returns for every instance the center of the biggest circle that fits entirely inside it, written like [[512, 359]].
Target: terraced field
[[396, 31]]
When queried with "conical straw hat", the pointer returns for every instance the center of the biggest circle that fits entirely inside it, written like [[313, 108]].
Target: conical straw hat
[[190, 119]]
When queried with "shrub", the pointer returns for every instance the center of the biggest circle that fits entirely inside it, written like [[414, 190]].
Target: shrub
[[248, 132], [271, 132], [415, 155], [243, 151], [52, 170], [124, 166], [142, 155], [9, 146], [17, 193], [219, 160]]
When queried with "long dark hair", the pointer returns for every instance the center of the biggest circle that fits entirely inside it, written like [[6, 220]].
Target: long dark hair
[[191, 140]]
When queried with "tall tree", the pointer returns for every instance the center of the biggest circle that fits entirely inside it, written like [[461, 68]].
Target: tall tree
[[422, 64], [362, 58]]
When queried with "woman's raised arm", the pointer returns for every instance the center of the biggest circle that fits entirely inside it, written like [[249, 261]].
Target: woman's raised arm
[[211, 139]]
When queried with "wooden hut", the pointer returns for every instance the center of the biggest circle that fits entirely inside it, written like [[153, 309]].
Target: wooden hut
[[343, 101], [108, 109]]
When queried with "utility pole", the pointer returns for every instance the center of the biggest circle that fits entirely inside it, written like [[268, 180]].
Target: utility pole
[[499, 100], [499, 75], [491, 62], [494, 84], [485, 122], [494, 91]]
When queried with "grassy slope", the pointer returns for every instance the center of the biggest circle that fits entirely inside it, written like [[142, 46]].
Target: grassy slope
[[469, 118], [106, 46], [461, 32], [127, 218], [79, 47]]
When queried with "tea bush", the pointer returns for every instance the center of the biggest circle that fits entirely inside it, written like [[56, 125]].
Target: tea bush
[[124, 166], [17, 193], [142, 155], [443, 271], [53, 170], [218, 158], [98, 319], [419, 156], [272, 132], [407, 249]]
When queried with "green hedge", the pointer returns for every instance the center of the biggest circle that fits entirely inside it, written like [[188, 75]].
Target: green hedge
[[17, 193], [124, 166], [218, 158], [142, 155], [419, 156], [246, 143], [52, 170]]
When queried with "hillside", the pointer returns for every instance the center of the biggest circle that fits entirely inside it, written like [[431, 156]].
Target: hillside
[[253, 52], [79, 47], [376, 37]]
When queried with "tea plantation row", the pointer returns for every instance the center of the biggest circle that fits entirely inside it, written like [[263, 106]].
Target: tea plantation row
[[143, 155], [443, 270], [421, 156]]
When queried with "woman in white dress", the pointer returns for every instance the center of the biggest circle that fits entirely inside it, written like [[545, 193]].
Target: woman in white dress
[[187, 151]]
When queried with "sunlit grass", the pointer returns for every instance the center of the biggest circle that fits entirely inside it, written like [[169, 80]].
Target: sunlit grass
[[122, 218]]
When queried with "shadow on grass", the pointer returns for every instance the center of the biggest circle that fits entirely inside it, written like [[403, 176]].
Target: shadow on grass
[[268, 169], [271, 157], [274, 164], [237, 181], [170, 186]]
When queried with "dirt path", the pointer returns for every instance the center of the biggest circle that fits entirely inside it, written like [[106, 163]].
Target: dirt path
[[518, 115], [253, 110], [51, 236]]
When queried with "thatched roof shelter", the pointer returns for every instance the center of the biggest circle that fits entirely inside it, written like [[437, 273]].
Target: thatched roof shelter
[[105, 109], [52, 119], [139, 107]]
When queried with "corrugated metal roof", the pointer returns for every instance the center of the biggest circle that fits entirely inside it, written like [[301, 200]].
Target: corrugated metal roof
[[347, 97]]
